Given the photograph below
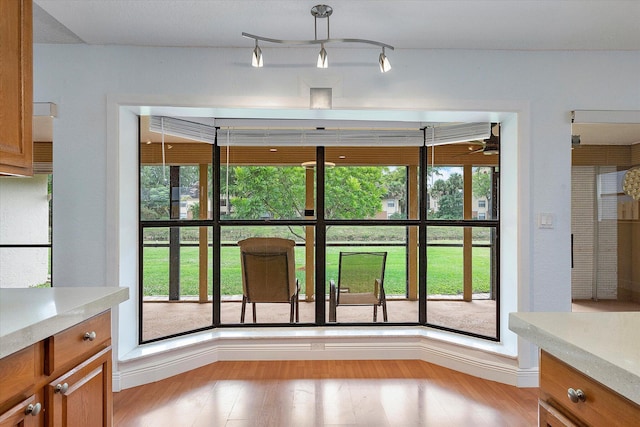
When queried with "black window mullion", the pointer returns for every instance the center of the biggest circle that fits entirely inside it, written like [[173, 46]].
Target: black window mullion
[[422, 239], [216, 240], [406, 230], [174, 233], [321, 239], [140, 245]]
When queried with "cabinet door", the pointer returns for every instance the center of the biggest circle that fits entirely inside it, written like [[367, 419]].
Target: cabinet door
[[16, 77], [24, 414], [83, 395]]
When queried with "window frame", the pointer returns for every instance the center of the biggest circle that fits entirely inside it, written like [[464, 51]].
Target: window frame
[[320, 223]]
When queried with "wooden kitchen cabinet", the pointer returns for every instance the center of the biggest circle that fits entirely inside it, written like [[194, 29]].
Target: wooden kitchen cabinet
[[593, 404], [16, 81], [83, 395], [66, 378]]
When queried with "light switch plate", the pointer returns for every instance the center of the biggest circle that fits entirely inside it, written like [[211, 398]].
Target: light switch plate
[[545, 220]]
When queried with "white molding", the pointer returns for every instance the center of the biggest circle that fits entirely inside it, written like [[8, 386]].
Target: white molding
[[137, 365], [506, 372], [153, 367]]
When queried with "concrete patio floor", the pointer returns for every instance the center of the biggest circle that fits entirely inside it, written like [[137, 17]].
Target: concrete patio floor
[[161, 318]]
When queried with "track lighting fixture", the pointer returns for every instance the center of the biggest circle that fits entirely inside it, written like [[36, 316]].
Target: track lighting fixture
[[321, 11]]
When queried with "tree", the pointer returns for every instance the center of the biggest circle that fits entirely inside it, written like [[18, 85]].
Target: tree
[[195, 210], [156, 203], [395, 182], [268, 192], [449, 196], [189, 179], [280, 192], [483, 186], [154, 192], [482, 183], [353, 192], [154, 189]]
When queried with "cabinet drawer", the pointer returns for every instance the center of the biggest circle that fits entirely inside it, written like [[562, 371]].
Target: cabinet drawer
[[78, 342], [548, 416], [601, 405], [24, 414], [17, 373]]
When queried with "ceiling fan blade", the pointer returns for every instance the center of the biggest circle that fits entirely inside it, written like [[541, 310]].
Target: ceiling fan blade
[[479, 150]]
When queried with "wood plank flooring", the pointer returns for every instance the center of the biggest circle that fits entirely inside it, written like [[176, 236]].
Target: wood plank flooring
[[325, 393]]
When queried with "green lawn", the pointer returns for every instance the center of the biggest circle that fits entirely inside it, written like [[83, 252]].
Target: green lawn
[[444, 269]]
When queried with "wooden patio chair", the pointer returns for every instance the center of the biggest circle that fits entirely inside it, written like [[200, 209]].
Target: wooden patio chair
[[360, 282], [268, 274]]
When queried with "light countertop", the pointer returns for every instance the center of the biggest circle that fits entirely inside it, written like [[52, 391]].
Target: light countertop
[[604, 346], [30, 315]]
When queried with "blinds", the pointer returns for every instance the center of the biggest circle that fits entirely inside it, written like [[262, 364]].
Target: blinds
[[320, 137], [458, 132], [183, 128], [433, 134], [583, 223], [42, 167], [594, 230], [291, 134]]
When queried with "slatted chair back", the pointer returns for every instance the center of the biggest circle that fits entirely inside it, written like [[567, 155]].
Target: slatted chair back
[[268, 272]]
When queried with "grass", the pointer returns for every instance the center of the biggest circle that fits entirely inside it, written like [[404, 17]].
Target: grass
[[444, 269]]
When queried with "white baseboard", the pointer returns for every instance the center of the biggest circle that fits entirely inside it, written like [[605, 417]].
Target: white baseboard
[[147, 367]]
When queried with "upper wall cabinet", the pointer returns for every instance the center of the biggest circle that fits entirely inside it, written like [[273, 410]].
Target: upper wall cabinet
[[16, 87]]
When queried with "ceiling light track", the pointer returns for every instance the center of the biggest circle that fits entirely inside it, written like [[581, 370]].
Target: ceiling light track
[[315, 41], [320, 11]]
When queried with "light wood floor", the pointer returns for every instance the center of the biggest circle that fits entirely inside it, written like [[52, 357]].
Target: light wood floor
[[325, 393]]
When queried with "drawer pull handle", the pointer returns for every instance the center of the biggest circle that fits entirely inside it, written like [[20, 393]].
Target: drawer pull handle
[[61, 388], [33, 409], [89, 336], [576, 395]]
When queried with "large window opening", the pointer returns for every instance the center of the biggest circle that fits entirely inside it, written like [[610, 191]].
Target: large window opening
[[419, 221]]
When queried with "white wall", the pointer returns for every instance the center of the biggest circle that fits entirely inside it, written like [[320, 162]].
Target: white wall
[[24, 219], [541, 88]]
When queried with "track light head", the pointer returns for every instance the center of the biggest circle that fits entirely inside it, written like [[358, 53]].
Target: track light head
[[385, 65], [323, 60], [256, 58]]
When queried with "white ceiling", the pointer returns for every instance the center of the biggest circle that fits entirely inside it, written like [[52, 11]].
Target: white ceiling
[[404, 24]]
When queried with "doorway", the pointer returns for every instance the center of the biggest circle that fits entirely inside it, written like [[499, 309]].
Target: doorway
[[605, 228]]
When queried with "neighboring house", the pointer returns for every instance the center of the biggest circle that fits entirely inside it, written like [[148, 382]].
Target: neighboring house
[[480, 208], [389, 207]]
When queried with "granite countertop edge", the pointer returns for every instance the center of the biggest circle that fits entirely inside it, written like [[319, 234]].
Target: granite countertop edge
[[72, 305], [584, 358]]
